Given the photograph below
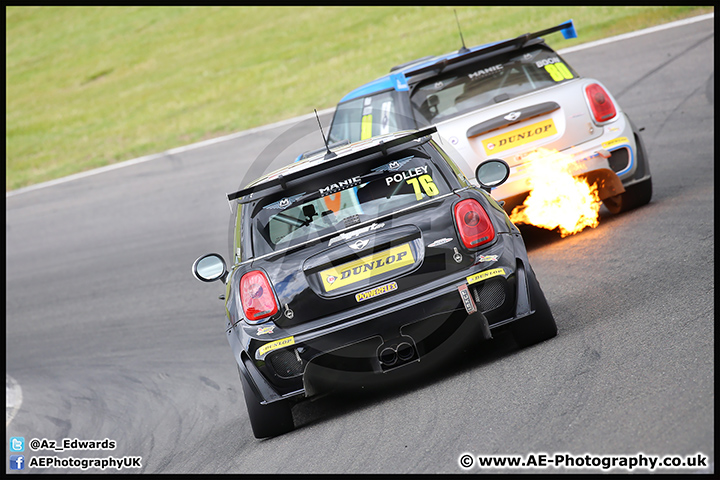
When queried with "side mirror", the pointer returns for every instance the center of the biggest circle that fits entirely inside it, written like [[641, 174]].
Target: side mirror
[[492, 173], [209, 268]]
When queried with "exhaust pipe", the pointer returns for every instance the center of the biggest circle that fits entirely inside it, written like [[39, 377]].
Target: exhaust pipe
[[388, 357], [405, 351], [396, 353]]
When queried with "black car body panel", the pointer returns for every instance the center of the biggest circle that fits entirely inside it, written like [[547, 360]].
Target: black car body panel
[[379, 284]]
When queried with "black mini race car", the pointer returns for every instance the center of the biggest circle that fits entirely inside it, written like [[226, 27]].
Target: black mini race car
[[365, 264]]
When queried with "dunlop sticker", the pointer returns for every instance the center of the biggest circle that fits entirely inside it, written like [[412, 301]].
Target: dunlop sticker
[[376, 291], [367, 267], [616, 141], [283, 342], [519, 136], [479, 277]]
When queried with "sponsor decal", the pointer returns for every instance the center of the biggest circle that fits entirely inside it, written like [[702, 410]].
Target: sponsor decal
[[520, 136], [399, 177], [479, 277], [486, 71], [367, 267], [614, 142], [521, 157], [358, 244], [341, 185], [264, 330], [487, 258], [392, 166], [283, 203], [374, 292], [283, 342], [438, 242], [355, 233], [385, 120], [512, 116], [467, 299], [547, 61]]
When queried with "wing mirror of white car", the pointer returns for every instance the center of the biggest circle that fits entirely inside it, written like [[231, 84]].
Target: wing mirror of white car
[[492, 173], [209, 268]]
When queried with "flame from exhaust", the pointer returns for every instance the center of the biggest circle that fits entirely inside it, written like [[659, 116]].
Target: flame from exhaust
[[557, 199]]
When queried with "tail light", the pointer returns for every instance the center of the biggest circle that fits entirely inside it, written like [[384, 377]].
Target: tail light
[[602, 107], [473, 223], [257, 297]]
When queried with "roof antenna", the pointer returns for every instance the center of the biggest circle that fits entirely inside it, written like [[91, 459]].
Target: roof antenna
[[464, 49], [329, 153]]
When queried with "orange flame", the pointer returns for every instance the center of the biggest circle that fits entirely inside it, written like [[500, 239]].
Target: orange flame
[[557, 199]]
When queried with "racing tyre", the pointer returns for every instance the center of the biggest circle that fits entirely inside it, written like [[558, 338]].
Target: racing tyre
[[634, 196], [268, 420], [540, 325]]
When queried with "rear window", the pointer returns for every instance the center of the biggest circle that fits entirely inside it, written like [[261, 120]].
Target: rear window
[[367, 117], [500, 78], [408, 178]]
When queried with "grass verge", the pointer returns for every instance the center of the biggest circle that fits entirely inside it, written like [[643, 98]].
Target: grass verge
[[91, 86]]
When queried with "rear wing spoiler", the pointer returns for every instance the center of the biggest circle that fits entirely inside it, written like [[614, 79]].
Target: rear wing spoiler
[[567, 29], [338, 163]]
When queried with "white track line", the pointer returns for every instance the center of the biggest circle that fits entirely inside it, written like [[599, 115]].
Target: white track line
[[212, 141], [13, 398]]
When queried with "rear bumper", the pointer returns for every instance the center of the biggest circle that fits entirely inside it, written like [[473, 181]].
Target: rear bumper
[[412, 336], [612, 161]]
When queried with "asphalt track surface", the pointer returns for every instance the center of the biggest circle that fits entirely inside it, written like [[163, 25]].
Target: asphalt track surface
[[110, 336]]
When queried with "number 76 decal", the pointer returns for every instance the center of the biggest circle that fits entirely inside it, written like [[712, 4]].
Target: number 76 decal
[[426, 183]]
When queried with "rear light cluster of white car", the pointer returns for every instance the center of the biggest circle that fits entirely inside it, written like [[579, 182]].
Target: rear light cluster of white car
[[602, 106], [473, 223]]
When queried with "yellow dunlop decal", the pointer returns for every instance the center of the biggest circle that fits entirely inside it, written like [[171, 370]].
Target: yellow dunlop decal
[[479, 277], [519, 136], [376, 291], [283, 342], [367, 267], [616, 141]]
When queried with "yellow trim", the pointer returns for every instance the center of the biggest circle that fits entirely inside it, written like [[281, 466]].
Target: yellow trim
[[374, 292], [479, 277], [283, 342], [615, 141], [366, 127]]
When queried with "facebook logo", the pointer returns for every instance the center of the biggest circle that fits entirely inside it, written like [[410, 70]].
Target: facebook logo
[[17, 444], [17, 462]]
